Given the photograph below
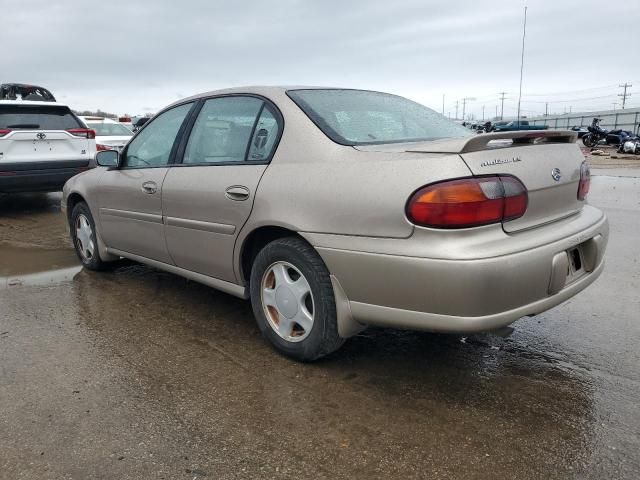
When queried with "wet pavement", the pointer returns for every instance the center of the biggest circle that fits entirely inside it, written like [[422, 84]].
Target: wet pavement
[[135, 373]]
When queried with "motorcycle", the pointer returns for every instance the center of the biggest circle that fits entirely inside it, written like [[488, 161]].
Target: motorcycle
[[596, 134]]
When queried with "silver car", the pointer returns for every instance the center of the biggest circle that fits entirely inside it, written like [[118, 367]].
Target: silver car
[[335, 209]]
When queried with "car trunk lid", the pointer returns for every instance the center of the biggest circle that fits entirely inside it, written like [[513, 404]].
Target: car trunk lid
[[546, 162]]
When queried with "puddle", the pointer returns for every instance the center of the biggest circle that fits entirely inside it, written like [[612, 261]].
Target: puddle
[[22, 266]]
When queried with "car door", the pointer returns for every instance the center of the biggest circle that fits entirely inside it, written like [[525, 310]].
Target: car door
[[130, 197], [208, 195]]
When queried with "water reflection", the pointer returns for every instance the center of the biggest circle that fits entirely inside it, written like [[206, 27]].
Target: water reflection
[[390, 395], [48, 277]]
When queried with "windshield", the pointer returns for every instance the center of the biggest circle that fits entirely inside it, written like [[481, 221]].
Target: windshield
[[104, 129], [359, 117]]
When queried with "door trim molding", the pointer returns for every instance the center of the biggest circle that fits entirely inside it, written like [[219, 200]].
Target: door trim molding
[[212, 227], [144, 217]]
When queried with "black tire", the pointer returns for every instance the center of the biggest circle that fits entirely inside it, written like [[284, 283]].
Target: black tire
[[587, 140], [92, 262], [323, 337]]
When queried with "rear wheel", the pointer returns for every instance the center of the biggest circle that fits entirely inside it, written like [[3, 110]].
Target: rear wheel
[[292, 300], [83, 233], [587, 140]]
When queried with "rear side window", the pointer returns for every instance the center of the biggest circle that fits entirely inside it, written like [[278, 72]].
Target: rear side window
[[31, 117], [222, 131], [360, 117]]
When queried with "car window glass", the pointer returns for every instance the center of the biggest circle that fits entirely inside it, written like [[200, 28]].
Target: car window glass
[[264, 136], [104, 129], [357, 117], [222, 130], [37, 117], [152, 146]]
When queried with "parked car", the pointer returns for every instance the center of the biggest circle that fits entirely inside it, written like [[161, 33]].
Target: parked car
[[19, 91], [335, 209], [42, 145], [110, 135], [515, 125], [126, 121], [139, 122]]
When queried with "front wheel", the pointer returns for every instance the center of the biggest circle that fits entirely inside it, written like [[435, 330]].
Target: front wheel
[[83, 234], [587, 140], [292, 300]]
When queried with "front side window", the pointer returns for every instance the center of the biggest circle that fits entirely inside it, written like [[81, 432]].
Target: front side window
[[226, 130], [152, 147], [359, 117]]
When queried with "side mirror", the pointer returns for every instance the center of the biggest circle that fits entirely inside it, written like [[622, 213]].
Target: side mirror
[[107, 158]]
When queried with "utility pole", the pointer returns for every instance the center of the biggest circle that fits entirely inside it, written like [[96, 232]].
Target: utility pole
[[483, 113], [464, 104], [615, 104], [546, 109], [624, 94], [524, 33], [456, 109], [443, 104], [496, 111], [502, 94]]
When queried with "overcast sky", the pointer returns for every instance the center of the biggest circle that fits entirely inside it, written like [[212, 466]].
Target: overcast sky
[[135, 56]]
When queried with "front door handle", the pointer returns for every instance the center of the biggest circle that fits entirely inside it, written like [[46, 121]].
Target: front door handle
[[237, 193], [149, 187]]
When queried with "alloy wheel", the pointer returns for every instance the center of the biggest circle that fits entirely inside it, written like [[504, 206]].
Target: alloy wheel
[[287, 301]]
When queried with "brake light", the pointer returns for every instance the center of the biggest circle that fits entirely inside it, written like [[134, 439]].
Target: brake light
[[468, 202], [82, 132], [585, 181], [4, 131]]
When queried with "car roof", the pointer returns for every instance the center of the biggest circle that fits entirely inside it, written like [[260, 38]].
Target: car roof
[[264, 90], [32, 103]]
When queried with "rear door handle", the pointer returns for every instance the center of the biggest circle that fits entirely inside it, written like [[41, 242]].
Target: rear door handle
[[237, 193], [149, 187]]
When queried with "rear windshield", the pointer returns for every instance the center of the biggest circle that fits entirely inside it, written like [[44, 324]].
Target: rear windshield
[[109, 129], [358, 117], [31, 117]]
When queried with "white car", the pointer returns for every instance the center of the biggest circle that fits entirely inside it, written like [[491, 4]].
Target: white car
[[110, 135], [42, 145]]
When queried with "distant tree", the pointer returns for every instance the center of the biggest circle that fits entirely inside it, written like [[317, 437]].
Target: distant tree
[[97, 113]]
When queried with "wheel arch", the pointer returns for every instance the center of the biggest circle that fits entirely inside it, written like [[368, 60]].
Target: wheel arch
[[72, 200], [259, 237]]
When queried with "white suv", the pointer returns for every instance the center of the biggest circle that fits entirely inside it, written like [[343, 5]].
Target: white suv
[[42, 145]]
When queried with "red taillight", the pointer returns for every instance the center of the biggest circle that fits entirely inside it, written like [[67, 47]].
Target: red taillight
[[82, 132], [585, 181], [4, 131], [468, 202], [124, 119]]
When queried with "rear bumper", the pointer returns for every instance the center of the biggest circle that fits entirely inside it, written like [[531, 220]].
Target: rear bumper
[[46, 176], [466, 295]]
